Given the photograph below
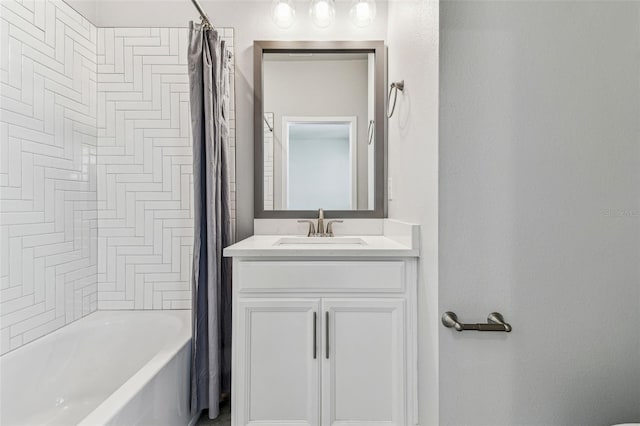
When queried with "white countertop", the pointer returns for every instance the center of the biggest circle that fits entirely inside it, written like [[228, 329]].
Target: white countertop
[[267, 246], [399, 240]]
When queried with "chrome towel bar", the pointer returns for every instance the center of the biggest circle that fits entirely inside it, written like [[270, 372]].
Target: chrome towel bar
[[495, 322]]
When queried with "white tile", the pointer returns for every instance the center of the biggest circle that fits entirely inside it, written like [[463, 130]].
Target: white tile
[[15, 262], [137, 242], [181, 304], [113, 305], [22, 315], [142, 41], [130, 32], [16, 342], [50, 60], [16, 304], [5, 341], [27, 271], [43, 329], [33, 322]]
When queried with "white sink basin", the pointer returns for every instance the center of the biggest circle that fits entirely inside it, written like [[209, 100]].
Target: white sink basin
[[320, 240]]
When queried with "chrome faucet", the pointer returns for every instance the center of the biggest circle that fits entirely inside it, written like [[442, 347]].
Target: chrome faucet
[[329, 232], [312, 228], [321, 232], [320, 227]]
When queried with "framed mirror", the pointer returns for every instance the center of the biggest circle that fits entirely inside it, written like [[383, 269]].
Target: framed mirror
[[319, 129]]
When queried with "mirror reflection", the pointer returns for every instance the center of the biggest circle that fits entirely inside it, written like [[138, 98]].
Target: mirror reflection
[[319, 131]]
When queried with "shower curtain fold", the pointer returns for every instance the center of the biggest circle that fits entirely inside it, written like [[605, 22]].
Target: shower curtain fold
[[208, 60]]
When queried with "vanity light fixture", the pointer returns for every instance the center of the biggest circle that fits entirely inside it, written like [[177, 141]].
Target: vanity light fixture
[[322, 12], [283, 13], [362, 12]]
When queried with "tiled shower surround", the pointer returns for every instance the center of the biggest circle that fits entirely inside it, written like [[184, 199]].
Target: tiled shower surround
[[48, 227], [95, 169], [145, 217]]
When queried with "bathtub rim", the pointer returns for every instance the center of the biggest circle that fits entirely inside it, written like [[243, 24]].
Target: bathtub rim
[[114, 402]]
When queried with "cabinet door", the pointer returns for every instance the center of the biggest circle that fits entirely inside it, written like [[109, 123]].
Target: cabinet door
[[363, 371], [277, 362]]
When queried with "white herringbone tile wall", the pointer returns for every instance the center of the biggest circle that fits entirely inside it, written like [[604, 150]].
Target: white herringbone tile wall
[[48, 251], [95, 168], [145, 216]]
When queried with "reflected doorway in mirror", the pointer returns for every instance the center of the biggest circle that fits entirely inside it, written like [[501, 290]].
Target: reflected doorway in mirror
[[319, 156]]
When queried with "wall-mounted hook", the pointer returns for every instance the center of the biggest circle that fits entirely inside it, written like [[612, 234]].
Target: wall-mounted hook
[[395, 86]]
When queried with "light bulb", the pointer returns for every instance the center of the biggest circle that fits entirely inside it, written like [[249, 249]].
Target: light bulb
[[283, 13], [362, 12], [322, 12]]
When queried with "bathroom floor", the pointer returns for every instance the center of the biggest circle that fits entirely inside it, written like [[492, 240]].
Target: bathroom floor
[[224, 419]]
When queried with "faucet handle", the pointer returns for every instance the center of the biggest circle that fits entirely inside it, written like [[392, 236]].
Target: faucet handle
[[330, 226], [312, 228]]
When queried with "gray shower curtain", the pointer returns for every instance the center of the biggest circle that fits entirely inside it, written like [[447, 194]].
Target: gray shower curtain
[[208, 60]]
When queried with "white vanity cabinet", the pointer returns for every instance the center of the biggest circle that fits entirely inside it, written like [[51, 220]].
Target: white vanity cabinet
[[363, 367], [276, 379], [324, 341]]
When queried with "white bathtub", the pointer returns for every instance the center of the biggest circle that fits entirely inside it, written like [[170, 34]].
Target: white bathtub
[[109, 368]]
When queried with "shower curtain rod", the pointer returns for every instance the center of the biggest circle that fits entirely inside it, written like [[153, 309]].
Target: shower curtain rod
[[203, 14]]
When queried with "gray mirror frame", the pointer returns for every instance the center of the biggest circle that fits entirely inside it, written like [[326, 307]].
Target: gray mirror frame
[[261, 47]]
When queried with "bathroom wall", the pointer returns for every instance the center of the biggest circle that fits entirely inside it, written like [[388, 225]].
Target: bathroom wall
[[540, 211], [251, 21], [144, 171], [413, 168], [537, 187], [48, 251]]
